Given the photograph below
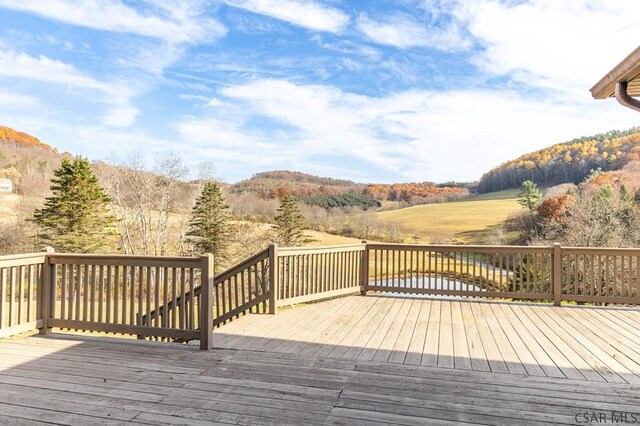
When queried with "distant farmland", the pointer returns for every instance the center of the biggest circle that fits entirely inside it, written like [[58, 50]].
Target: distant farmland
[[470, 221]]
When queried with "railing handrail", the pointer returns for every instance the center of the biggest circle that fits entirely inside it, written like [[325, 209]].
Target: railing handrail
[[460, 248], [612, 251], [289, 251], [234, 270], [124, 260], [22, 259]]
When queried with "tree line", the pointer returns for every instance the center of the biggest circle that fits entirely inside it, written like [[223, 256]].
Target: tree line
[[80, 216], [601, 211], [569, 162]]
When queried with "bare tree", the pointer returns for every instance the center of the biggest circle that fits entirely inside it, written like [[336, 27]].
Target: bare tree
[[150, 203]]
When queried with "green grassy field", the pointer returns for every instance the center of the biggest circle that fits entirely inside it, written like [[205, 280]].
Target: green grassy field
[[474, 220]]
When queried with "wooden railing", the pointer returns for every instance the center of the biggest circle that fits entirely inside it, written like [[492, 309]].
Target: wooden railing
[[20, 298], [476, 271], [163, 297], [305, 274], [601, 275], [586, 275], [113, 294], [240, 290]]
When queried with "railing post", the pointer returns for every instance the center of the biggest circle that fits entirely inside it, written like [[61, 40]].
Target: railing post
[[206, 301], [364, 269], [47, 293], [273, 278], [556, 274]]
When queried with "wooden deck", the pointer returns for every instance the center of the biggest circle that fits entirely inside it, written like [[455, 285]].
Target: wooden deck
[[89, 381], [582, 343], [352, 360]]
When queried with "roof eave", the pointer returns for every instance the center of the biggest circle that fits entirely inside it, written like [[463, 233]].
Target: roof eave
[[625, 71]]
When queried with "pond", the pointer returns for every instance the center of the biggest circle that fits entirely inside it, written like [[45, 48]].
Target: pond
[[434, 283]]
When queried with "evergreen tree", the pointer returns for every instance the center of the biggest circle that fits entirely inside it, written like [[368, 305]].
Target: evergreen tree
[[290, 224], [528, 198], [210, 228], [76, 218]]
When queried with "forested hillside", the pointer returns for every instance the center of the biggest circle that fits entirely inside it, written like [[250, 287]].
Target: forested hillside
[[26, 161], [569, 162], [18, 139], [416, 192], [328, 192], [278, 183]]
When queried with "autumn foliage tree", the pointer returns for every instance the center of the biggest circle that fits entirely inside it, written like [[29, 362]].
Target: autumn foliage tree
[[76, 218], [554, 209]]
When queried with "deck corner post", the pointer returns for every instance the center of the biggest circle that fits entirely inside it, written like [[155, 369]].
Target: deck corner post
[[47, 292], [206, 302], [364, 270], [273, 279], [556, 273]]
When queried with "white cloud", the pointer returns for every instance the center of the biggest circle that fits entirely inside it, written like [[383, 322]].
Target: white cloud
[[565, 46], [123, 116], [44, 69], [17, 100], [304, 13], [403, 31], [411, 135], [178, 22]]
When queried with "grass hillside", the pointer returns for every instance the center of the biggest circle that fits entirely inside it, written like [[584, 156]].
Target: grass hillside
[[8, 207], [471, 221]]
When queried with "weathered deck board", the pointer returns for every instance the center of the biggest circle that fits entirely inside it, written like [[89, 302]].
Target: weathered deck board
[[84, 380], [582, 343]]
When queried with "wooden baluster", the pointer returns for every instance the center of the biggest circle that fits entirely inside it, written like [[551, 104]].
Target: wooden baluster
[[192, 286], [136, 278], [63, 291], [243, 294], [30, 271], [109, 293], [92, 298], [156, 301], [148, 290], [20, 294], [12, 294], [165, 297], [183, 292], [101, 293], [3, 296], [637, 274], [236, 293], [77, 291], [174, 291], [140, 279], [125, 293], [116, 293], [273, 281], [230, 293]]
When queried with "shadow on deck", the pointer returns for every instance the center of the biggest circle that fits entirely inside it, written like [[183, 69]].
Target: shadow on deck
[[351, 360]]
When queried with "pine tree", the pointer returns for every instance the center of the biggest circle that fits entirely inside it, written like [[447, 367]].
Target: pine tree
[[76, 218], [290, 224], [528, 198], [210, 228]]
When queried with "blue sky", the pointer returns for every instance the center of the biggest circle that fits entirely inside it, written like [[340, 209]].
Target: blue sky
[[375, 91]]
